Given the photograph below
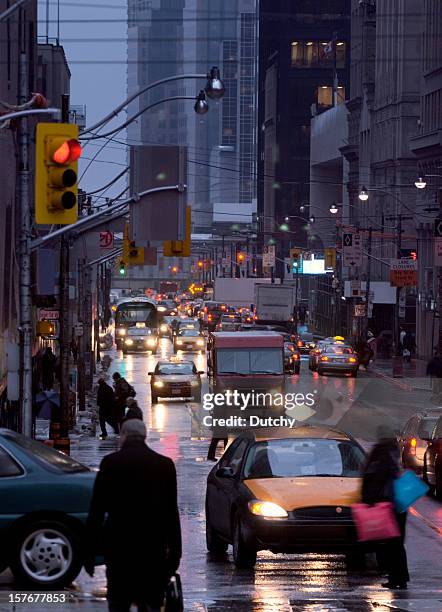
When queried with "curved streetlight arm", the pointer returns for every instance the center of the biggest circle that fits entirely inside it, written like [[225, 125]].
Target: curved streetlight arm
[[140, 92], [30, 111], [131, 119]]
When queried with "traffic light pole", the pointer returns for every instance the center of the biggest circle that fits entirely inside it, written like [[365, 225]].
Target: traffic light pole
[[25, 327]]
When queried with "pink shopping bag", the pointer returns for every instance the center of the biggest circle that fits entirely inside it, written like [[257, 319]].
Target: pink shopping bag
[[375, 522]]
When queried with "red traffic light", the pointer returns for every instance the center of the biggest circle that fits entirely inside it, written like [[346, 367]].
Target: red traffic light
[[67, 151], [413, 255]]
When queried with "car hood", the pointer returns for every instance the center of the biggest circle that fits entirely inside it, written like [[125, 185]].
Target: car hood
[[293, 493], [172, 378]]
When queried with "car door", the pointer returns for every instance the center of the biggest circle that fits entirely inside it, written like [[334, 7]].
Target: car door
[[214, 484], [434, 452], [12, 491]]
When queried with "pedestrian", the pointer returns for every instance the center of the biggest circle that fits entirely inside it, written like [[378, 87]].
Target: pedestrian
[[402, 335], [133, 410], [123, 390], [434, 369], [408, 344], [48, 362], [105, 403], [372, 344], [134, 522], [380, 471]]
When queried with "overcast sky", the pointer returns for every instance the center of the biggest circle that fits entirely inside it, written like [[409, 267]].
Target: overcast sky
[[93, 35]]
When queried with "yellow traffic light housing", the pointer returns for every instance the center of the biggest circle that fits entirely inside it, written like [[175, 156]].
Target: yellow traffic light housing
[[330, 259], [180, 248], [57, 151], [135, 255]]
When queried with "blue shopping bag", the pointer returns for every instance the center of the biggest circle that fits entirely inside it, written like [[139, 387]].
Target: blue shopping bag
[[407, 489]]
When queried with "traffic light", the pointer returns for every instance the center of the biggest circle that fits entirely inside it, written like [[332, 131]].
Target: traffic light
[[200, 264], [57, 151], [135, 255], [240, 257], [411, 253], [174, 269], [180, 248], [121, 266], [330, 259], [295, 260]]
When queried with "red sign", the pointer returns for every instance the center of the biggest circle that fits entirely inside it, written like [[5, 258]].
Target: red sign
[[106, 240], [403, 273]]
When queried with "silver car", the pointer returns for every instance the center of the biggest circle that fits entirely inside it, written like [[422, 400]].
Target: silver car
[[338, 359]]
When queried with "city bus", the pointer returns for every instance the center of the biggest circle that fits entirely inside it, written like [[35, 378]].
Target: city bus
[[134, 312]]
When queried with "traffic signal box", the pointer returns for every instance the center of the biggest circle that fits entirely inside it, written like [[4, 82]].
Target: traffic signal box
[[121, 266], [295, 260], [57, 151], [133, 255], [330, 259], [180, 248]]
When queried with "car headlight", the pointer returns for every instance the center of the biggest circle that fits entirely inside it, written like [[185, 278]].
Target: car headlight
[[150, 342], [267, 509], [173, 312], [158, 383], [161, 309], [179, 342], [122, 332], [163, 328], [200, 342], [128, 341]]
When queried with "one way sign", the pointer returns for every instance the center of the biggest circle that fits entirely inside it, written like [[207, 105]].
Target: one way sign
[[352, 249]]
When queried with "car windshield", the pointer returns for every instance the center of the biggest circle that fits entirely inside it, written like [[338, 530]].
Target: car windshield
[[175, 368], [250, 361], [189, 332], [339, 350], [167, 304], [138, 331], [48, 456], [292, 458]]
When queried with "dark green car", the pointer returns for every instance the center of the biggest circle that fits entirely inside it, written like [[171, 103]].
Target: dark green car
[[44, 503]]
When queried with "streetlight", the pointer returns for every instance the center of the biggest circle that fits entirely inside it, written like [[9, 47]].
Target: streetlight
[[312, 218], [333, 208], [421, 183], [201, 107], [286, 219], [214, 87], [363, 194], [302, 208]]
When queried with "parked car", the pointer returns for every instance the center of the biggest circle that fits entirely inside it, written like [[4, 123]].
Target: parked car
[[415, 437], [45, 497], [176, 379], [288, 492], [432, 473]]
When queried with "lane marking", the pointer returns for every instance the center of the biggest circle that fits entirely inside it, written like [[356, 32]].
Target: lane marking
[[424, 519]]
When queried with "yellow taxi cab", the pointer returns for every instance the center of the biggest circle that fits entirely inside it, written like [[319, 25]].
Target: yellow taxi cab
[[289, 491]]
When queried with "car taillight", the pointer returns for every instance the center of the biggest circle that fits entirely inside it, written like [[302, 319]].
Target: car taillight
[[324, 358], [352, 360], [413, 444], [290, 347], [300, 343], [209, 317], [296, 356]]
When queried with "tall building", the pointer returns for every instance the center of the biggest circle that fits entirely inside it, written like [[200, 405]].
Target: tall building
[[296, 76], [167, 37]]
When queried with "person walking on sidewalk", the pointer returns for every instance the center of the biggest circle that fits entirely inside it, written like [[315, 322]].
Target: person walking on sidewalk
[[123, 390], [134, 513], [105, 403], [380, 471], [408, 345]]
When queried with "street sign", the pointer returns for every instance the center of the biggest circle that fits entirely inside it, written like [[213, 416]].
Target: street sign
[[48, 315], [355, 288], [352, 249], [359, 310], [106, 240], [269, 256], [403, 272]]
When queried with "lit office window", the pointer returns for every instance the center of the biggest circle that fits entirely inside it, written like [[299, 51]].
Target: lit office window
[[296, 54], [340, 54], [325, 95]]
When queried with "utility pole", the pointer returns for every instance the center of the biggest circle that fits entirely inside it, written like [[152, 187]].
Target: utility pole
[[80, 339], [63, 442], [25, 243], [367, 282]]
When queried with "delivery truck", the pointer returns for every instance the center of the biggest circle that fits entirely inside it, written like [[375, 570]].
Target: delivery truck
[[275, 304], [238, 292]]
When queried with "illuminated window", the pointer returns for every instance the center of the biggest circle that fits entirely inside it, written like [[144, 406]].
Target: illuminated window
[[340, 54], [296, 54], [325, 95]]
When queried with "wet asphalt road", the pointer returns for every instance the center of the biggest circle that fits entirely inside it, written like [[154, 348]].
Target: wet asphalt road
[[278, 583]]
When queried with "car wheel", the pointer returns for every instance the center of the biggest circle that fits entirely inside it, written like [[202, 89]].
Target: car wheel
[[215, 545], [355, 560], [244, 556], [46, 554]]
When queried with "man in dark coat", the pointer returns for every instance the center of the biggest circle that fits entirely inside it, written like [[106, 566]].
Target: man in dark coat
[[134, 513], [380, 471], [105, 403], [48, 362], [122, 392]]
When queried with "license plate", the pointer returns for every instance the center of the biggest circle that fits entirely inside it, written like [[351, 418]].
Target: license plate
[[176, 391]]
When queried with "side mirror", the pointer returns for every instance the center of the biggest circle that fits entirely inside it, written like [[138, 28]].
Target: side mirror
[[224, 472], [150, 373], [201, 372]]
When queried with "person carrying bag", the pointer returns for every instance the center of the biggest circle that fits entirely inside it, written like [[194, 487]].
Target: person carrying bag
[[376, 518]]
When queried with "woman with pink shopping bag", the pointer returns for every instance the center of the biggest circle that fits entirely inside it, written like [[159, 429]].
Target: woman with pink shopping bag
[[376, 518]]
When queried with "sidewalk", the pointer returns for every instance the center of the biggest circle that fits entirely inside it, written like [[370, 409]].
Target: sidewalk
[[414, 374]]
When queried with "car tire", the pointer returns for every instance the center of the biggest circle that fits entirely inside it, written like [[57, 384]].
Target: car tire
[[425, 479], [244, 556], [355, 560], [59, 544], [215, 545]]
